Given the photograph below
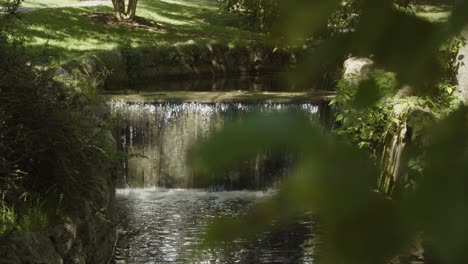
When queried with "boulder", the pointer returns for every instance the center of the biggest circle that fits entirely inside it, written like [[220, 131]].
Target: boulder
[[63, 237], [356, 67], [30, 247]]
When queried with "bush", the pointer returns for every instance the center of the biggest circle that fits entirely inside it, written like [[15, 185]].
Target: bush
[[260, 14], [53, 151]]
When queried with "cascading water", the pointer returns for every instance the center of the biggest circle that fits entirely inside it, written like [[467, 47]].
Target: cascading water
[[160, 135], [162, 224]]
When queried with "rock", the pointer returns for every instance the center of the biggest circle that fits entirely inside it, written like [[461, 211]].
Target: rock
[[109, 139], [8, 256], [63, 237], [32, 248], [88, 239], [357, 68], [76, 254], [462, 76], [61, 72]]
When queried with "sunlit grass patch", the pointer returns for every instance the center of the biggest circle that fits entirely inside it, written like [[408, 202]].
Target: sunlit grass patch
[[70, 31], [48, 3], [33, 219], [433, 13]]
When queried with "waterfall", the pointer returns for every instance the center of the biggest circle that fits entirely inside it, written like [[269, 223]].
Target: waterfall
[[155, 138]]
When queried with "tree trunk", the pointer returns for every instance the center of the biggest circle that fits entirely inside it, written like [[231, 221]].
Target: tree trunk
[[123, 13], [131, 10]]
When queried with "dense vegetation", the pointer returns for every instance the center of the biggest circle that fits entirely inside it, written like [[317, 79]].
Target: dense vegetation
[[266, 14], [54, 146]]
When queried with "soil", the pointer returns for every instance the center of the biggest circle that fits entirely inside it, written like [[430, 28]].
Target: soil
[[138, 22]]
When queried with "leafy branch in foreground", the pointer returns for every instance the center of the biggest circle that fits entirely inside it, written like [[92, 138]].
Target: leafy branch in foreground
[[337, 182], [321, 183]]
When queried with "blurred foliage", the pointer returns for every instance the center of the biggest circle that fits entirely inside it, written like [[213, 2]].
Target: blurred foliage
[[264, 14], [9, 6], [339, 182], [371, 106], [54, 142], [361, 27], [259, 14], [346, 205], [377, 114]]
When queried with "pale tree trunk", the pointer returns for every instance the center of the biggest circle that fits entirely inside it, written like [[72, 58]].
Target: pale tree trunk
[[123, 13]]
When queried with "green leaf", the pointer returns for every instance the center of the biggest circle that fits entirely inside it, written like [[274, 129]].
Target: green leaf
[[339, 117]]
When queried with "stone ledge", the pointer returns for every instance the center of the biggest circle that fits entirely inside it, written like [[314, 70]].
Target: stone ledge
[[219, 97]]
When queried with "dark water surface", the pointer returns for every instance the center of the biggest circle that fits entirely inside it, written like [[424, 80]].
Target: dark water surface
[[265, 82], [164, 225]]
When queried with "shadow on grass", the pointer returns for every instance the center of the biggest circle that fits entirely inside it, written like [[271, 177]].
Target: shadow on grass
[[68, 32], [433, 12]]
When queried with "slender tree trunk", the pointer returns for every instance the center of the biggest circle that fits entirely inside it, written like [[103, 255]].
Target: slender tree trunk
[[131, 10], [123, 13]]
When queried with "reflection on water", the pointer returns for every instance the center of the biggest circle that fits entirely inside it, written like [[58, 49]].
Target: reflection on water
[[164, 225], [265, 82]]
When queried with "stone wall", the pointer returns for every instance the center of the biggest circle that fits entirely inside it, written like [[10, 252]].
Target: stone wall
[[127, 67]]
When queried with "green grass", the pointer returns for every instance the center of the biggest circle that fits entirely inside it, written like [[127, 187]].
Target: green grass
[[433, 13], [48, 3], [33, 219], [67, 33]]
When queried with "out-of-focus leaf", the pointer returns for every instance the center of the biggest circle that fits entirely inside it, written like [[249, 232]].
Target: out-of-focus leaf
[[374, 233], [336, 181], [333, 180], [238, 142], [367, 94], [400, 43], [328, 54], [397, 41], [459, 18], [443, 198], [301, 18]]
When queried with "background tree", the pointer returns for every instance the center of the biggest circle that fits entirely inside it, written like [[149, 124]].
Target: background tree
[[9, 6], [125, 11]]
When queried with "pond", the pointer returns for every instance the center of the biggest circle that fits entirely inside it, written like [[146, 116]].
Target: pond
[[165, 226]]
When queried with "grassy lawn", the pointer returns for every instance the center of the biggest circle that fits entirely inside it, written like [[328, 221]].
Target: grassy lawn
[[68, 32], [48, 3], [433, 13]]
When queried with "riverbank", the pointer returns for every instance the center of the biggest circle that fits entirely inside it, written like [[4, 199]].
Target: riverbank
[[130, 67]]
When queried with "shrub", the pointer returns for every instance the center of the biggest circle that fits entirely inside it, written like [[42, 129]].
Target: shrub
[[55, 146]]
